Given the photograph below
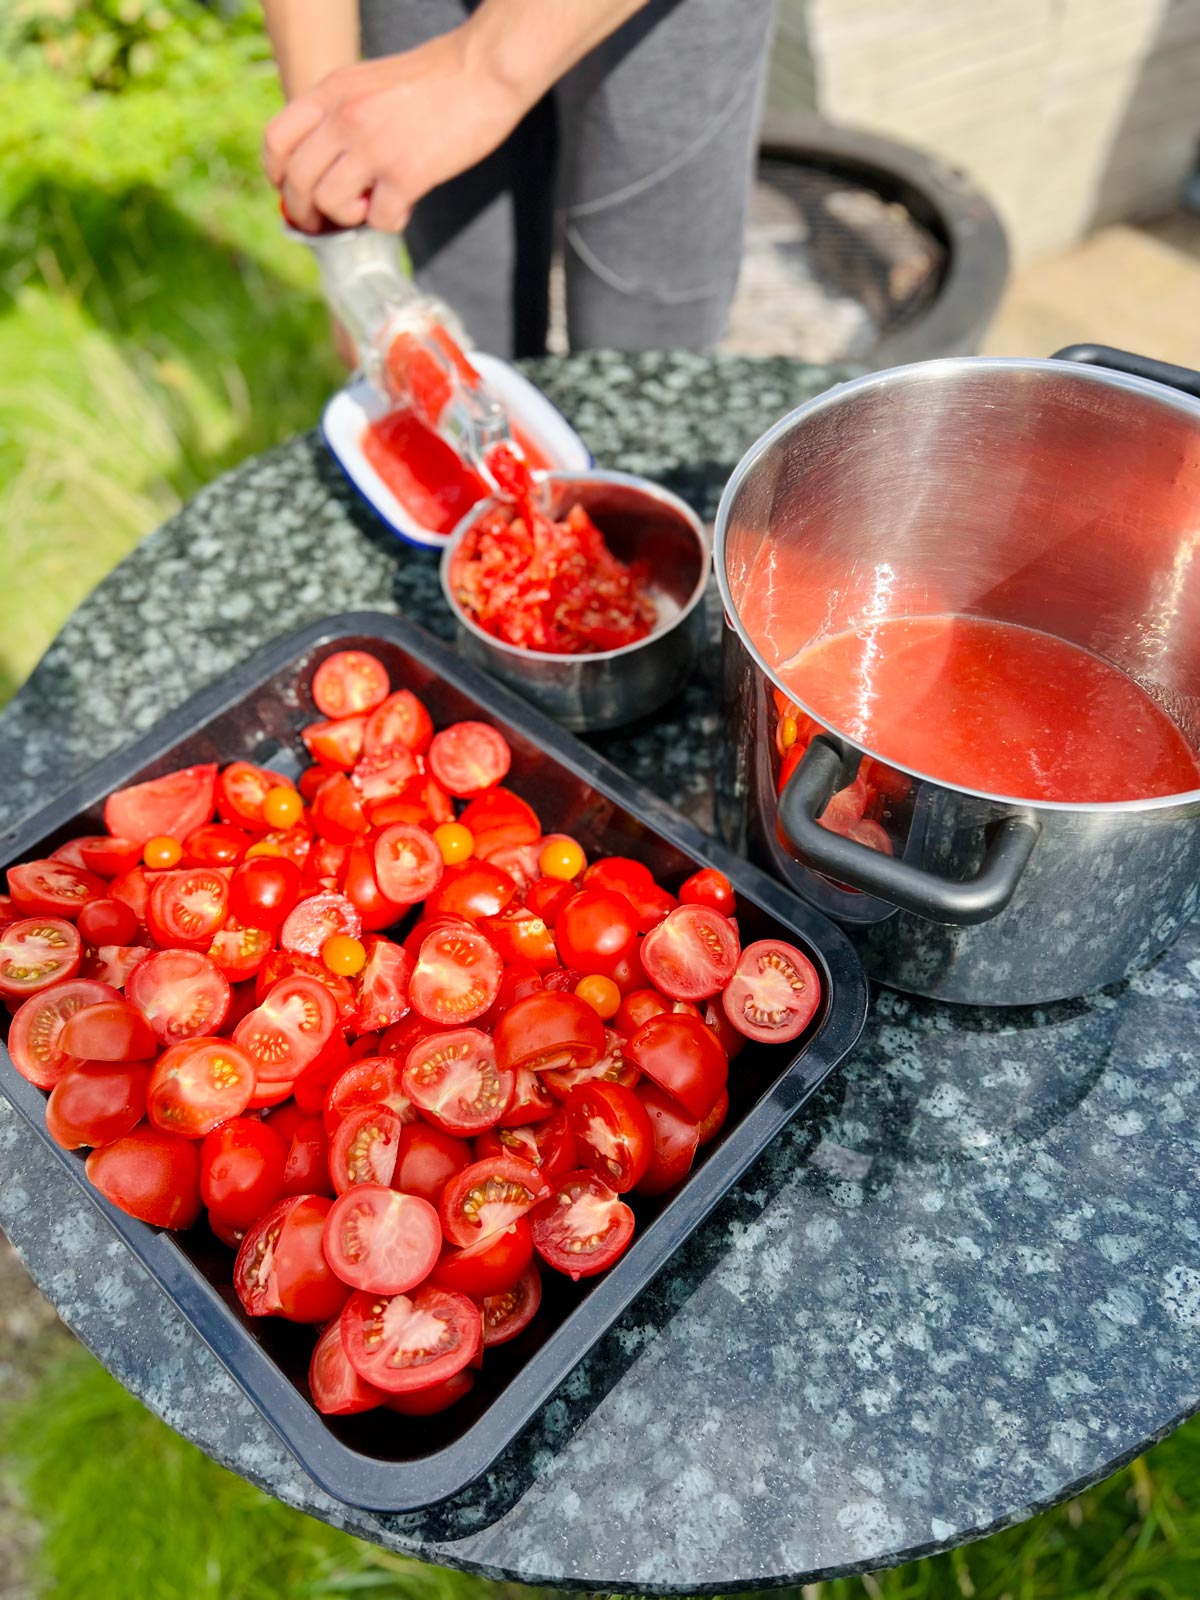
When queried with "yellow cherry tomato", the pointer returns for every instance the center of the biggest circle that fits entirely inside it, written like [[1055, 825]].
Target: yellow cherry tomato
[[344, 955], [263, 847], [601, 994], [162, 851], [282, 806], [455, 842], [788, 732], [562, 858]]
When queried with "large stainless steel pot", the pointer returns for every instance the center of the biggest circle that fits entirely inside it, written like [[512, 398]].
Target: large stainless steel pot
[[1056, 494]]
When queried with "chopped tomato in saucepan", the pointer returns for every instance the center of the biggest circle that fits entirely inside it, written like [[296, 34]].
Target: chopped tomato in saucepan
[[405, 1050]]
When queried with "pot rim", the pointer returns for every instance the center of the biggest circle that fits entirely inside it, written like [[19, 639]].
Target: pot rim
[[929, 371]]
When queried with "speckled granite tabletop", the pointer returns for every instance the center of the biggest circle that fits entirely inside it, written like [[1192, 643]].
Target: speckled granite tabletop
[[964, 1284]]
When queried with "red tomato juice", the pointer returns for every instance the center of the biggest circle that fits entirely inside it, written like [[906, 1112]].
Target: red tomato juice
[[423, 472], [996, 707]]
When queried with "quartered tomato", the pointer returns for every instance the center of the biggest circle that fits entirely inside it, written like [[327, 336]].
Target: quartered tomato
[[530, 1100], [281, 1268], [452, 1077], [349, 682], [151, 1175], [548, 1145], [549, 1030], [521, 935], [380, 1240], [180, 993], [36, 1029], [337, 813], [336, 1389], [612, 1133], [334, 744], [241, 792], [107, 922], [364, 1147], [95, 1103], [317, 919], [133, 888], [509, 1313], [422, 802], [468, 758], [489, 1267], [36, 952], [54, 889], [487, 1197], [188, 908], [774, 993], [197, 1085], [475, 889], [239, 952], [401, 719], [676, 1138], [692, 953], [406, 1342], [456, 975], [683, 1057], [112, 963], [582, 1226], [384, 775], [109, 1030], [216, 844], [373, 1081], [263, 890], [500, 818], [241, 1171], [408, 863], [611, 1067], [174, 805], [289, 1029]]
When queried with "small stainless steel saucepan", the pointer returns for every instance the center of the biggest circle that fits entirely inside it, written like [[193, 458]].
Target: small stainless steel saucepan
[[1063, 495]]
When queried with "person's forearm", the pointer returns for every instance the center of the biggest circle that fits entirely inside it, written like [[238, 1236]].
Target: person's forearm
[[527, 45], [311, 38]]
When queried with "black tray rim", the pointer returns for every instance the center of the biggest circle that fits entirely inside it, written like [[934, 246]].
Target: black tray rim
[[348, 1475]]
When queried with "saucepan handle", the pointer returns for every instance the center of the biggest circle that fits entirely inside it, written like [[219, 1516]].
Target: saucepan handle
[[1103, 355], [808, 792]]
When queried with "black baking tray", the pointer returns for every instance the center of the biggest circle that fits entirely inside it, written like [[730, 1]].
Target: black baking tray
[[378, 1460]]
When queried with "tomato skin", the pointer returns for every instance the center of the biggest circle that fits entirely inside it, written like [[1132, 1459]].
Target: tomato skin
[[595, 930], [337, 745], [708, 1130], [400, 719], [501, 818], [107, 922], [36, 1029], [434, 1397], [456, 975], [306, 1169], [622, 875], [112, 963], [422, 802], [132, 887], [315, 919], [384, 775], [489, 1267], [474, 890], [364, 1147], [408, 864], [373, 1337], [312, 1086], [336, 1389], [452, 1077], [548, 1145], [238, 952], [683, 1057], [187, 909], [521, 935], [109, 1030], [726, 1035], [547, 896], [711, 888], [263, 890], [372, 1081], [348, 683], [676, 1138], [150, 1175], [612, 1133], [774, 994], [281, 1268], [468, 758], [241, 1171], [216, 844], [692, 953], [96, 1102], [35, 953], [361, 887], [105, 856], [176, 805], [556, 1234], [54, 889], [487, 1197], [426, 1159], [639, 1007], [181, 994], [654, 907], [529, 1102], [548, 1030], [240, 792], [507, 1314]]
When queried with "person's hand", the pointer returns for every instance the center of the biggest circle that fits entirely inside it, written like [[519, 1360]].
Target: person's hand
[[370, 140]]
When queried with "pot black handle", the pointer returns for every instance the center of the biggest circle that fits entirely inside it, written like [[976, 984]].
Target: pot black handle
[[1103, 355], [809, 790]]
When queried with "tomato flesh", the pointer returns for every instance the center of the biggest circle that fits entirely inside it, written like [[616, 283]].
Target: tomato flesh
[[281, 1268], [469, 758], [774, 992], [54, 889], [348, 683], [187, 909], [35, 1034], [510, 1312], [289, 1029], [197, 1085], [180, 993], [336, 1389], [364, 1147], [382, 1241], [612, 1133], [582, 1227], [487, 1197], [410, 1341], [453, 1078], [456, 975], [692, 953], [172, 806], [36, 952]]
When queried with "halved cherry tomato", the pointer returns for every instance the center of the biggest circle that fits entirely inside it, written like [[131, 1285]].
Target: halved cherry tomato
[[594, 930], [110, 1030], [95, 1103], [241, 1171], [489, 1267], [691, 954], [349, 682], [548, 1145], [420, 931], [683, 1057], [422, 802], [238, 951], [289, 1029], [262, 891], [400, 719], [509, 1313], [774, 992], [188, 908], [336, 1389], [112, 963], [380, 1240], [337, 812], [316, 919], [364, 1147], [384, 774], [36, 952], [373, 1081], [612, 1133], [426, 1160], [54, 889], [452, 1077], [281, 1268], [150, 1175], [285, 963], [456, 975], [521, 935], [36, 1029], [293, 844], [105, 856], [476, 889], [408, 863], [197, 1085], [241, 791], [406, 1342], [180, 993], [530, 1101], [582, 1227], [676, 1137], [487, 1197], [547, 1031], [435, 1397], [334, 744], [622, 875], [469, 758], [216, 844], [176, 804], [500, 818], [381, 987], [107, 922], [711, 888]]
